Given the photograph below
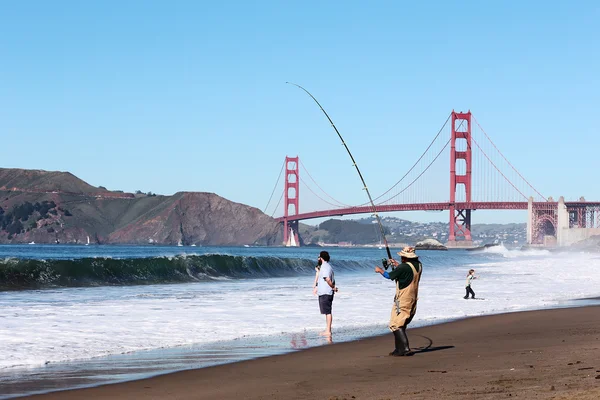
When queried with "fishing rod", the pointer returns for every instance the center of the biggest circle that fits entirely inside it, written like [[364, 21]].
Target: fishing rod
[[366, 189]]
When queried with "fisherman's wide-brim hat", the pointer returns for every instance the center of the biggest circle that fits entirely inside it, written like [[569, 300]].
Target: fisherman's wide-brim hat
[[408, 252]]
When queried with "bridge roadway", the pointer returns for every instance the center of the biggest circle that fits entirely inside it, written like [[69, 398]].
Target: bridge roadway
[[474, 205]]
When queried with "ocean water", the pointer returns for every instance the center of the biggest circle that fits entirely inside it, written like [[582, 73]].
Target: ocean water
[[74, 316]]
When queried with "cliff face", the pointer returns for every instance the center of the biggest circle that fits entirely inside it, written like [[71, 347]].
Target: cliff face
[[57, 207], [199, 218]]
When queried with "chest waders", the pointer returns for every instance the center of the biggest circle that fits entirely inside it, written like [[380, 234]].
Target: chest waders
[[403, 311]]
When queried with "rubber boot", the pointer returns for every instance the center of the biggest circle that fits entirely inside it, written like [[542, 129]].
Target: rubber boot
[[402, 343], [398, 344]]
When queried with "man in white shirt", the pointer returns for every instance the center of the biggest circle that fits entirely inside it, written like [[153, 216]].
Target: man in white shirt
[[325, 288]]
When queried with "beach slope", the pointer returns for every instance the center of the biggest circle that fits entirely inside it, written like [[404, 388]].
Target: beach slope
[[548, 354]]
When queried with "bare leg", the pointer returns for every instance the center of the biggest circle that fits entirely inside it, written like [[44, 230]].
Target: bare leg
[[328, 319]]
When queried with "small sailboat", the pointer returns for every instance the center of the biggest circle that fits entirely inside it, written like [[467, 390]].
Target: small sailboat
[[31, 242], [88, 241], [179, 243], [291, 242]]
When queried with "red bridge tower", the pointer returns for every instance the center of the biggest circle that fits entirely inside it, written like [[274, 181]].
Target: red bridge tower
[[291, 198], [460, 220]]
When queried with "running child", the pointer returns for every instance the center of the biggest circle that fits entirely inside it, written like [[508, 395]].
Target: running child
[[470, 277]]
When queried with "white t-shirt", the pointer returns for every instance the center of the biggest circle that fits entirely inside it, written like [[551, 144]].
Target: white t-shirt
[[469, 279], [325, 272]]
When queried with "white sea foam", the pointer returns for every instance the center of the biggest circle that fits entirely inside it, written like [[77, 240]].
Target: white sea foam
[[37, 327], [514, 253]]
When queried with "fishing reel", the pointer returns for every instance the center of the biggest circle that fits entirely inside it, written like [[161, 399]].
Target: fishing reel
[[386, 264]]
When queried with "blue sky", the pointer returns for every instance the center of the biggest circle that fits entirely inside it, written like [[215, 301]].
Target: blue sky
[[174, 96]]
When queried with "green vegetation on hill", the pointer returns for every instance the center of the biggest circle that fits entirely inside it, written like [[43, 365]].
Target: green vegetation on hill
[[24, 217]]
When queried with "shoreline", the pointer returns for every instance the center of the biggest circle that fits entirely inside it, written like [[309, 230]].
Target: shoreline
[[146, 364], [447, 344]]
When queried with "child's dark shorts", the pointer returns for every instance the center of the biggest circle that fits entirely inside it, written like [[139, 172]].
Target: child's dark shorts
[[325, 302]]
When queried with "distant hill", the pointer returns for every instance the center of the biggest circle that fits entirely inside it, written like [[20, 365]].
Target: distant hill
[[398, 231], [15, 179], [57, 207]]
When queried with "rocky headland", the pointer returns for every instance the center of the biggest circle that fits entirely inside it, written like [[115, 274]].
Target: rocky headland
[[57, 207], [430, 244]]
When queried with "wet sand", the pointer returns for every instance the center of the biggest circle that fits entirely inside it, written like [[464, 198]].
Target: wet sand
[[547, 354]]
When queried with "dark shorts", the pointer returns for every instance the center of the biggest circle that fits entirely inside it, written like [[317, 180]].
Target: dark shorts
[[325, 302]]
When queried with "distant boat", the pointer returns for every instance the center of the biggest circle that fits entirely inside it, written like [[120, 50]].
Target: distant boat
[[88, 241], [193, 245], [291, 239], [179, 243], [31, 242], [246, 245]]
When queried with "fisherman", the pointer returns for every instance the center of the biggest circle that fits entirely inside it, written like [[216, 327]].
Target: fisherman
[[407, 275]]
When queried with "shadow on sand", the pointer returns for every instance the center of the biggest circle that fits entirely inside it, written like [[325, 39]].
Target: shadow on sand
[[429, 347]]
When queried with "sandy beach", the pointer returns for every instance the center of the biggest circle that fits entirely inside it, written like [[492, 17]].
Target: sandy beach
[[547, 354]]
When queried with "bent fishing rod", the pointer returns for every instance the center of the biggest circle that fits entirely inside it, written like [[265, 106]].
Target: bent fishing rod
[[366, 189]]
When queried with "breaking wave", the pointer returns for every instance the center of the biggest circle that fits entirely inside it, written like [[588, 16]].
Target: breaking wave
[[22, 274]]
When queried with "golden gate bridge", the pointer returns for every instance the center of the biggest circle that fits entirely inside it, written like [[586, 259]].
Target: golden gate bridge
[[480, 178]]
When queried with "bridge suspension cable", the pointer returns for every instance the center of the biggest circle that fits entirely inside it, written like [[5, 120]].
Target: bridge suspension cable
[[496, 167], [274, 188], [418, 176], [277, 206], [417, 162], [415, 165], [327, 194], [480, 164], [509, 163], [319, 197]]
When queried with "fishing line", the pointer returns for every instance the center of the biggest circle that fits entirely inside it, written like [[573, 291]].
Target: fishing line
[[387, 247]]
